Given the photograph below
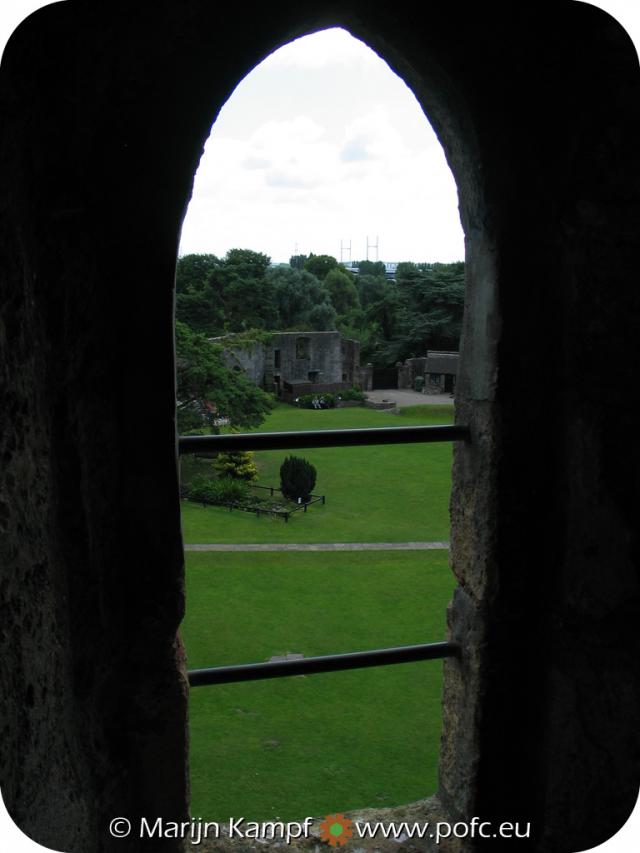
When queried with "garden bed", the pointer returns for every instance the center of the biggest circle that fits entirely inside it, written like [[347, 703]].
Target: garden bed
[[267, 504]]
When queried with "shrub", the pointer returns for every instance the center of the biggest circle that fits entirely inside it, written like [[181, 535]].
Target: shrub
[[316, 401], [352, 394], [224, 491], [297, 478], [238, 464]]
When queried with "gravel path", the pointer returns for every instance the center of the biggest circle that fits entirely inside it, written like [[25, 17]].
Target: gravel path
[[409, 398], [326, 546]]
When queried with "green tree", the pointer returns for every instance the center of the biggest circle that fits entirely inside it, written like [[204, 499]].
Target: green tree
[[320, 265], [238, 464], [247, 292], [344, 295], [372, 288], [208, 390], [431, 306], [297, 262], [194, 271], [297, 478], [301, 300], [199, 293], [375, 268]]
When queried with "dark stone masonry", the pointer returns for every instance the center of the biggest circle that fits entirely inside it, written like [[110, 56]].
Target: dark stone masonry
[[105, 110], [294, 363]]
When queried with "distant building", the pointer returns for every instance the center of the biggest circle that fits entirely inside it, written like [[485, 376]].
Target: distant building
[[438, 370], [442, 370], [295, 363]]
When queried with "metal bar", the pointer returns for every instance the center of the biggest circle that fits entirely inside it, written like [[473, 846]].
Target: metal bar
[[326, 663], [321, 438]]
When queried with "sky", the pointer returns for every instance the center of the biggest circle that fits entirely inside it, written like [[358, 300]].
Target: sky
[[320, 147]]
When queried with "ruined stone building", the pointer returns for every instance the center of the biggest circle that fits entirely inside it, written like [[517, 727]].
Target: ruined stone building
[[438, 372], [294, 363], [106, 109]]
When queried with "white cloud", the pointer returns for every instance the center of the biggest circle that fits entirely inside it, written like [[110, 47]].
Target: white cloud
[[286, 180]]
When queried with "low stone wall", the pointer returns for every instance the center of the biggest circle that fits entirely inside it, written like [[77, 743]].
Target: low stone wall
[[429, 811]]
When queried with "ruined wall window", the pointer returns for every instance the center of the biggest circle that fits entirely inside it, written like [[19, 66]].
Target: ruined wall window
[[302, 348], [276, 358]]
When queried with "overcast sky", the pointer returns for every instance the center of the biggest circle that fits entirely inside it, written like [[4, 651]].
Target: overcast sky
[[322, 144]]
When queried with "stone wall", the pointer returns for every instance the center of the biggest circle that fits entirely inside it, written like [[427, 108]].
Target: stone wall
[[252, 360], [105, 113], [324, 356]]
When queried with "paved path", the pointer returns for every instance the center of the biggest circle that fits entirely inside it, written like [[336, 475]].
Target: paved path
[[409, 398], [326, 546]]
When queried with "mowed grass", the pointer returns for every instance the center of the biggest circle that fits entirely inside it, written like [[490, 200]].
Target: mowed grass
[[386, 493], [312, 745]]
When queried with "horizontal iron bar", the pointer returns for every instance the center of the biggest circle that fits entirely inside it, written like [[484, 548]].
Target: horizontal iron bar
[[326, 663], [321, 438]]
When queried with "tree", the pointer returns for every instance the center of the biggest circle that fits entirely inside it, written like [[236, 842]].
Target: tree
[[372, 289], [320, 265], [374, 268], [344, 295], [199, 293], [297, 261], [301, 300], [194, 271], [247, 291], [208, 390], [237, 464], [431, 307], [297, 478]]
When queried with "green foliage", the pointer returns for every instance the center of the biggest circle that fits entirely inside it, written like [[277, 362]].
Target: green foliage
[[343, 291], [247, 292], [316, 401], [301, 300], [352, 394], [320, 265], [297, 262], [297, 478], [246, 340], [371, 268], [372, 289], [222, 492], [208, 391], [393, 320], [193, 271], [431, 303], [199, 294], [238, 464]]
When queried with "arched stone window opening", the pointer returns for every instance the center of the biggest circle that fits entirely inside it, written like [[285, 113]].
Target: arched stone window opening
[[539, 118], [302, 350]]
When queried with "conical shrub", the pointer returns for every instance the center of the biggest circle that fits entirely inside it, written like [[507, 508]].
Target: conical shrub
[[297, 478]]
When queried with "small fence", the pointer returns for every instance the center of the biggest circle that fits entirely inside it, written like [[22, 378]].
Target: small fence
[[275, 511]]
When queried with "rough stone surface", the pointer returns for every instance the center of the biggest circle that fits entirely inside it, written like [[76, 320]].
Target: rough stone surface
[[105, 113], [425, 813], [318, 358]]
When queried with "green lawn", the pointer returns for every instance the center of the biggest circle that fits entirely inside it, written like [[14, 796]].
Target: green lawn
[[389, 493], [296, 746], [313, 744]]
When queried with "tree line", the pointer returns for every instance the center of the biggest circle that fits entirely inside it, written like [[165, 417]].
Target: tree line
[[393, 319]]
